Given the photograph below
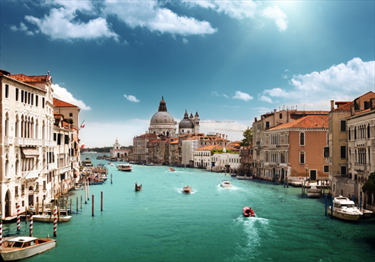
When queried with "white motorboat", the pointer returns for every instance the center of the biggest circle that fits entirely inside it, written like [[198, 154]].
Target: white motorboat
[[124, 167], [344, 208], [23, 247], [49, 218], [226, 183], [110, 163], [313, 191]]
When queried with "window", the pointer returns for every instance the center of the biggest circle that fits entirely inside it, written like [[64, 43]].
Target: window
[[267, 125], [37, 186], [343, 125], [59, 139], [71, 114], [355, 132], [17, 90], [44, 185], [32, 99], [302, 139], [343, 152], [36, 100], [366, 105], [326, 168], [368, 131], [54, 136], [66, 139], [25, 100], [6, 91], [43, 102], [302, 157], [326, 151], [343, 170], [22, 92], [28, 98], [281, 116], [16, 190], [349, 131]]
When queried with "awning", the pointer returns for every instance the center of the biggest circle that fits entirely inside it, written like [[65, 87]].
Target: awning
[[30, 152]]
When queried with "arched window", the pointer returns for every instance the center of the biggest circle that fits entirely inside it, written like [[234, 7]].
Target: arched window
[[6, 124], [349, 133], [355, 132], [302, 157], [302, 139]]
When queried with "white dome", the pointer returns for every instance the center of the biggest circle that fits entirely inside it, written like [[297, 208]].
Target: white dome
[[162, 118]]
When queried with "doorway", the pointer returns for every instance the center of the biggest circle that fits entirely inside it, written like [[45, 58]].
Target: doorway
[[31, 200], [312, 175], [7, 204]]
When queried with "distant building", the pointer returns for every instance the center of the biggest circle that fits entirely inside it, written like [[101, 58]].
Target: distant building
[[162, 122], [117, 152], [189, 125]]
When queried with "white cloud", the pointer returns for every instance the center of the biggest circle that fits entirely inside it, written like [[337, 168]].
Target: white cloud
[[185, 41], [22, 28], [242, 96], [131, 98], [150, 15], [279, 16], [339, 82], [233, 129], [64, 95], [234, 9], [62, 23], [265, 99], [214, 93]]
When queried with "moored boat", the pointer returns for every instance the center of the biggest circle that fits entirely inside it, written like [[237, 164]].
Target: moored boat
[[124, 167], [344, 208], [248, 212], [226, 183], [87, 162], [24, 247], [187, 189], [49, 218]]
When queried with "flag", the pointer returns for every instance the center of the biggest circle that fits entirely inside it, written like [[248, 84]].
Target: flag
[[82, 145], [83, 124]]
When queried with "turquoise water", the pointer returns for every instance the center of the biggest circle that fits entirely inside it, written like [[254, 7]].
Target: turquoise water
[[160, 223]]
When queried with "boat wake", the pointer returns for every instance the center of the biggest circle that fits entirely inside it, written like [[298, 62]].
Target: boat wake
[[228, 188]]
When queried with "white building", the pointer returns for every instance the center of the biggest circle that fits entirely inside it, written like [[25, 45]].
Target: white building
[[202, 156], [187, 152], [27, 146], [220, 160], [117, 152]]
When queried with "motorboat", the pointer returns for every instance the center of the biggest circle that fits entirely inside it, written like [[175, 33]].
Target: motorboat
[[248, 212], [241, 177], [187, 189], [226, 183], [124, 167], [23, 247], [49, 218], [313, 191], [171, 169], [87, 162], [344, 208], [110, 164], [138, 187]]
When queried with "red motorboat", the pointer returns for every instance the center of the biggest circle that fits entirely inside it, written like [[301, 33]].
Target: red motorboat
[[248, 212]]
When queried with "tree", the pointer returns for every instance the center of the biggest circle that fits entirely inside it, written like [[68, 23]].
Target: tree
[[369, 186], [248, 136]]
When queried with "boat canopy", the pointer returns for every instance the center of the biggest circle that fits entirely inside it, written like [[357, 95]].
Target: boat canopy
[[23, 239]]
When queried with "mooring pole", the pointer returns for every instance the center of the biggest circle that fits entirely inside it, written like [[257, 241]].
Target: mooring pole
[[326, 205], [77, 204], [111, 178], [360, 203], [331, 207], [102, 202], [92, 204]]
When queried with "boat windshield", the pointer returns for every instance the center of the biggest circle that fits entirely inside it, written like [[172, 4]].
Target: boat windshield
[[18, 244], [347, 206]]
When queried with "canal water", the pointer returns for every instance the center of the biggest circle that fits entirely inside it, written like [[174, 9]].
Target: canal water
[[160, 223]]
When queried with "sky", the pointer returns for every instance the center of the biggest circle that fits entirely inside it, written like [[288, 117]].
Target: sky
[[229, 60]]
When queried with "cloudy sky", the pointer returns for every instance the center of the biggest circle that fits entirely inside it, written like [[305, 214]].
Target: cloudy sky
[[228, 60]]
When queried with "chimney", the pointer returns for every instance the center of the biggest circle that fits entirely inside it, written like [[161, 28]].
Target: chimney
[[332, 104], [352, 110], [255, 120]]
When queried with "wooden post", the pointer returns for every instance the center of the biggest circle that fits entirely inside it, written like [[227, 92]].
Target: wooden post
[[326, 203], [81, 201], [26, 215], [88, 190], [111, 178], [77, 204], [102, 202], [37, 208], [1, 230], [63, 204], [70, 206], [58, 211], [331, 207], [92, 204], [43, 207]]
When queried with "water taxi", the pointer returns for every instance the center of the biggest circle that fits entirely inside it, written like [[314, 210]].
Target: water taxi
[[87, 162], [187, 189], [226, 183], [171, 169], [248, 212], [124, 167], [24, 247], [344, 208]]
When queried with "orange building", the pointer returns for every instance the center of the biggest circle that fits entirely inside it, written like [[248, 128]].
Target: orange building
[[296, 149]]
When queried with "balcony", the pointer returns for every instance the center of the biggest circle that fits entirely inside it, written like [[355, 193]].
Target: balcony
[[64, 169], [360, 142], [360, 167], [8, 140]]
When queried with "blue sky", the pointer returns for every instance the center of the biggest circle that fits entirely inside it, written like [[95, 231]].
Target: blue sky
[[228, 60]]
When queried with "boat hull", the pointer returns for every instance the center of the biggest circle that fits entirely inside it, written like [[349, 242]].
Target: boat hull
[[349, 217], [9, 254]]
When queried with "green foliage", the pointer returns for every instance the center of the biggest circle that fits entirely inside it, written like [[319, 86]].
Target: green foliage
[[220, 151], [248, 136], [369, 186]]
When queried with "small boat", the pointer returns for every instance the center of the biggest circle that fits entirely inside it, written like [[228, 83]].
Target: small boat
[[241, 177], [124, 167], [87, 162], [344, 208], [171, 169], [233, 175], [187, 189], [110, 163], [49, 218], [226, 183], [248, 212], [138, 187], [313, 191], [24, 247]]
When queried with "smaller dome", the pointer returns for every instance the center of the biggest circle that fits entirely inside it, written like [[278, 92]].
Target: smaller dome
[[186, 123]]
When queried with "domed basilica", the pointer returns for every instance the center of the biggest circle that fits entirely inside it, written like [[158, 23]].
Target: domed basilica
[[162, 123]]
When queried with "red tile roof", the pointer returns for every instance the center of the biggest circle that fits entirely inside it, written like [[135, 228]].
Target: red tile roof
[[309, 122], [32, 80], [210, 147], [344, 107], [60, 103]]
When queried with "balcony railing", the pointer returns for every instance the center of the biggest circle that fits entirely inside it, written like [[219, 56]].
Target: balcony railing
[[30, 174], [8, 140]]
